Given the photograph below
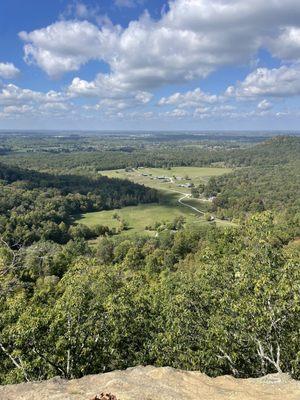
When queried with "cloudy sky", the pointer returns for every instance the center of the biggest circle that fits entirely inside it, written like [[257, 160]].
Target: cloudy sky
[[150, 64]]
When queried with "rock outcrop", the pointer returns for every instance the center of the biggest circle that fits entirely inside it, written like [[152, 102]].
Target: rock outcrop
[[150, 383]]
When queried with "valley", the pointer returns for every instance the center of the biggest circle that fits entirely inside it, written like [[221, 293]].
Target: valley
[[163, 250], [175, 199]]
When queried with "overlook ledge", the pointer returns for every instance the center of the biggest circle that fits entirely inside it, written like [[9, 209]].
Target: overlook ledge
[[150, 383]]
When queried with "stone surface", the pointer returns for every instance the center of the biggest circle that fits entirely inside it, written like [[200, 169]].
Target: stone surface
[[150, 383]]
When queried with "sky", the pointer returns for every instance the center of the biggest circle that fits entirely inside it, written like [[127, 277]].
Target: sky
[[150, 64]]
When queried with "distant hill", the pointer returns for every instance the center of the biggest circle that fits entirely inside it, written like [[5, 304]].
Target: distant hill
[[275, 151], [268, 180]]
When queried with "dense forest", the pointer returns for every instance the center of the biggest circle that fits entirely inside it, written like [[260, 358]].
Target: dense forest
[[256, 189], [222, 300], [40, 206], [90, 157], [270, 181]]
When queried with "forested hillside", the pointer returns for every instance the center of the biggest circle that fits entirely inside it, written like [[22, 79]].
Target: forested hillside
[[222, 300], [35, 206], [256, 189], [279, 150], [270, 181]]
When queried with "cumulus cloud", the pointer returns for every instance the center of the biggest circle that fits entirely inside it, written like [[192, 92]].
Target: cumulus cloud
[[114, 105], [67, 45], [175, 113], [192, 39], [287, 45], [8, 71], [102, 86], [80, 11], [191, 98], [11, 95], [14, 99], [17, 102], [113, 94], [14, 110], [276, 82]]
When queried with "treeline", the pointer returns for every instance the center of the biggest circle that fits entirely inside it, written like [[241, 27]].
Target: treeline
[[256, 189], [276, 151], [218, 301], [89, 162], [280, 150], [269, 180], [35, 206]]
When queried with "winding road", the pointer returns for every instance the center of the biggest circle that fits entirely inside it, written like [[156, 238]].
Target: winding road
[[187, 196]]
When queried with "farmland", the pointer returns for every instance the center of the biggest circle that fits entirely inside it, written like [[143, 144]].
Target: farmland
[[172, 185], [163, 178]]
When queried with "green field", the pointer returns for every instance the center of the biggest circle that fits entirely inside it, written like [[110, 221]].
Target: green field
[[168, 208], [195, 175], [138, 217]]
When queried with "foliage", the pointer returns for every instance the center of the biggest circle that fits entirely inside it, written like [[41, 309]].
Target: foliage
[[222, 301], [36, 206], [219, 300]]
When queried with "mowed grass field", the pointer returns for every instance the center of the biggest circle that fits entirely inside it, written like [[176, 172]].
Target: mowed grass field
[[168, 208], [148, 176], [143, 215]]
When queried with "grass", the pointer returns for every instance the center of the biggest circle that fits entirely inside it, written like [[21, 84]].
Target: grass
[[168, 208], [138, 217], [196, 175]]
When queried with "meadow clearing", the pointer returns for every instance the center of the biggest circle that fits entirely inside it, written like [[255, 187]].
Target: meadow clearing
[[172, 184], [177, 176]]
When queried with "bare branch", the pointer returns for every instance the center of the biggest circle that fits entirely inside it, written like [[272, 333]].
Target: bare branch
[[17, 364], [270, 359], [229, 359]]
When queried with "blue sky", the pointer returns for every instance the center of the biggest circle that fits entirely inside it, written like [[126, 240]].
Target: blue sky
[[149, 64]]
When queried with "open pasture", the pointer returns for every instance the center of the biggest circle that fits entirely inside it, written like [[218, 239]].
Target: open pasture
[[143, 215], [175, 178], [172, 185]]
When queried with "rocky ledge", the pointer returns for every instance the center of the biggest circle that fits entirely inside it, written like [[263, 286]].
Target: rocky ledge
[[150, 383]]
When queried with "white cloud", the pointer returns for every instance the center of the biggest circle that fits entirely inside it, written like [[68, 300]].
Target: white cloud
[[102, 86], [287, 45], [12, 94], [143, 97], [22, 109], [112, 93], [8, 71], [191, 98], [16, 102], [264, 105], [55, 106], [192, 39], [276, 82], [81, 11], [176, 113], [67, 45]]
